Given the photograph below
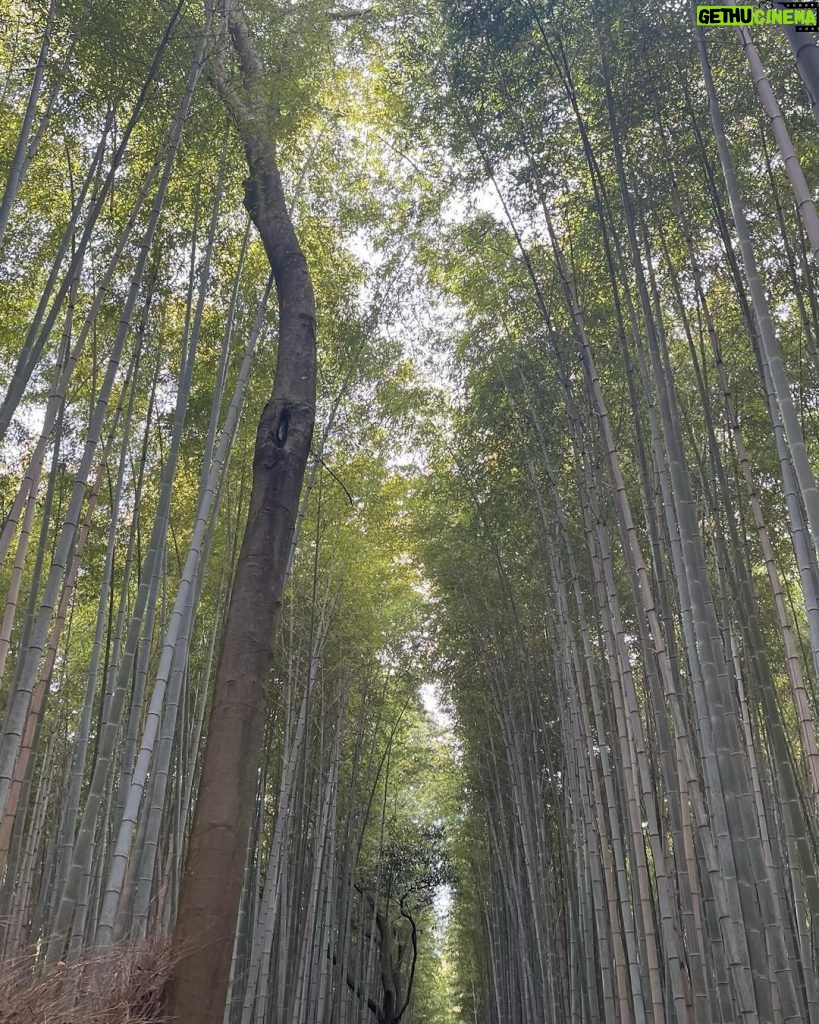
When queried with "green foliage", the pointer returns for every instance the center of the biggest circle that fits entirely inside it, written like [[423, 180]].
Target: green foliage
[[427, 152]]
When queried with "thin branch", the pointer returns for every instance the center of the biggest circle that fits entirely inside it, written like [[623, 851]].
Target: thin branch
[[349, 14], [337, 479], [414, 937]]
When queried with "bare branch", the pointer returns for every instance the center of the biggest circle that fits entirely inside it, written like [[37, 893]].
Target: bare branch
[[349, 13], [414, 937]]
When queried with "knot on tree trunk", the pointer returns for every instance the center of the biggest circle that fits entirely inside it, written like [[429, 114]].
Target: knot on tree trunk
[[282, 428]]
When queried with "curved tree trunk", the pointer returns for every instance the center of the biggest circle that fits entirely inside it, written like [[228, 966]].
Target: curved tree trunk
[[212, 882]]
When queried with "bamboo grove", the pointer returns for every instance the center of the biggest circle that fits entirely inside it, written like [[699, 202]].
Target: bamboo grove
[[499, 702]]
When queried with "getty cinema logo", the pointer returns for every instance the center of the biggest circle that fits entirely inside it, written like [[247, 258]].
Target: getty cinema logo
[[803, 16]]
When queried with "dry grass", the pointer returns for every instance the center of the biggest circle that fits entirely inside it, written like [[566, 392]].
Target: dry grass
[[121, 985]]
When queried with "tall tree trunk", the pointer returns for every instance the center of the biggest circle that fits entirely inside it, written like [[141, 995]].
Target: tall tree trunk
[[212, 882]]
